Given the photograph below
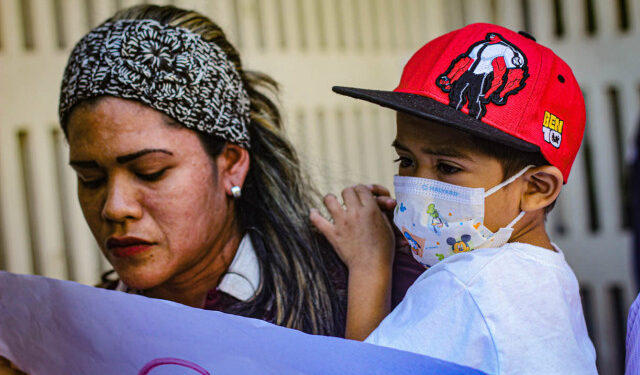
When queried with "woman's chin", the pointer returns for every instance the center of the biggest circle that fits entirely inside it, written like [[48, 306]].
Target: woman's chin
[[140, 279]]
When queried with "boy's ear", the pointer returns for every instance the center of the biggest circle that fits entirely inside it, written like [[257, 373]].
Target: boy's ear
[[233, 166], [543, 185]]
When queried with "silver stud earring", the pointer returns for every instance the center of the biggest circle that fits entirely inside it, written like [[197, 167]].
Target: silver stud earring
[[236, 192]]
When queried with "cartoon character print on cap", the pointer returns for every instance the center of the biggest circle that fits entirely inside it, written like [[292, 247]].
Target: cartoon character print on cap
[[489, 72]]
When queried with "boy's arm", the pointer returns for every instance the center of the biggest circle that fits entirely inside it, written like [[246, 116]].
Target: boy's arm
[[362, 236], [369, 301]]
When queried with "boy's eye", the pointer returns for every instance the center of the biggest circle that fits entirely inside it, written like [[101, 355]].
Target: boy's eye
[[446, 168], [404, 162], [151, 176]]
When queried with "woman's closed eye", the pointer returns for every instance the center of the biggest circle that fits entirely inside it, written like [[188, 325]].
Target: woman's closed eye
[[90, 182], [154, 176]]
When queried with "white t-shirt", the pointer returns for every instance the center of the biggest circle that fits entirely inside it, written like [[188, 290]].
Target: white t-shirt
[[509, 310]]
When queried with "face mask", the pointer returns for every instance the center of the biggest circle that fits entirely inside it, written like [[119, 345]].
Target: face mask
[[440, 219]]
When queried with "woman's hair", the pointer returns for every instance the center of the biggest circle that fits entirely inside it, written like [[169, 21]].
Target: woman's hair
[[303, 282]]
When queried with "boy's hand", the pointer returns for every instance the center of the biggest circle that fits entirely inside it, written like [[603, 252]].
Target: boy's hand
[[362, 236], [387, 204], [360, 233]]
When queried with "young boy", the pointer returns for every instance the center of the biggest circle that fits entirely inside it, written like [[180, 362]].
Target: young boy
[[488, 125]]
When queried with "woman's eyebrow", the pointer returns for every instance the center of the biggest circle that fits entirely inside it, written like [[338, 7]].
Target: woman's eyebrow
[[83, 164], [129, 157]]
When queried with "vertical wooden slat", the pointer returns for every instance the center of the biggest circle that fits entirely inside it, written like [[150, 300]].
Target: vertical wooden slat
[[25, 14], [477, 11], [574, 198], [249, 27], [63, 214], [74, 22], [11, 27], [398, 14], [396, 36], [386, 30], [309, 25], [290, 25], [540, 17], [44, 29], [18, 258], [510, 14], [222, 13], [49, 240], [273, 21], [415, 15], [365, 25], [434, 19], [340, 147], [574, 19], [605, 163], [455, 14], [100, 10], [629, 104], [110, 7]]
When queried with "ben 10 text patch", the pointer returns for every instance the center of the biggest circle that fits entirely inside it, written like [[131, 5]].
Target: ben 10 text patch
[[552, 129]]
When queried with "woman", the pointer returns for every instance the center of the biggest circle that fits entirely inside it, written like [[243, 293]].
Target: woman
[[185, 177]]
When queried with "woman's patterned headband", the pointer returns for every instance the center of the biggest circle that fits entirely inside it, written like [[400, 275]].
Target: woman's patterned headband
[[171, 69]]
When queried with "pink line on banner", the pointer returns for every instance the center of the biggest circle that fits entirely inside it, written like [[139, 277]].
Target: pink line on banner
[[171, 361]]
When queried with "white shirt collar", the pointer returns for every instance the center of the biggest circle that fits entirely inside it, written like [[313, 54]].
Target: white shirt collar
[[243, 275]]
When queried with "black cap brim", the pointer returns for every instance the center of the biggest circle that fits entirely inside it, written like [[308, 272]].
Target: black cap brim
[[430, 109]]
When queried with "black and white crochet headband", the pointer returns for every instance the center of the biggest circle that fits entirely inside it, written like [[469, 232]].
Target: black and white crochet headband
[[171, 69]]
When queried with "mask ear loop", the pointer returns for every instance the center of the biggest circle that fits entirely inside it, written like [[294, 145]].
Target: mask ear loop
[[507, 181], [514, 221]]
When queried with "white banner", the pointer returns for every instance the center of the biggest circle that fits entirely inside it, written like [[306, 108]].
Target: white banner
[[50, 326]]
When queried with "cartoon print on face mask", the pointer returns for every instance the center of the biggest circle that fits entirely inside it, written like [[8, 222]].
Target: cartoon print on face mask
[[437, 222], [460, 246], [416, 243]]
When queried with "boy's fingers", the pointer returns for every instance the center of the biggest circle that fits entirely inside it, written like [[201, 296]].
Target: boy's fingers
[[320, 222], [379, 190], [365, 196], [332, 204], [386, 203], [350, 198]]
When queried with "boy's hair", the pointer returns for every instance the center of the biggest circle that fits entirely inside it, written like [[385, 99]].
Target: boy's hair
[[511, 160]]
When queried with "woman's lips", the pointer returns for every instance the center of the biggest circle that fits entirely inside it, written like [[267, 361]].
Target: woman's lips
[[127, 246]]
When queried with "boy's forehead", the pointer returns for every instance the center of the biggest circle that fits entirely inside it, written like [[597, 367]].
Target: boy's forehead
[[413, 132]]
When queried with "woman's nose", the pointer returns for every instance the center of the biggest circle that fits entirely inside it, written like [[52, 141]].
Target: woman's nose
[[122, 201]]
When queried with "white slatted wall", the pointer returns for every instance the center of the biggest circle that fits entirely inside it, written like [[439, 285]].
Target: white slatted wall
[[309, 45]]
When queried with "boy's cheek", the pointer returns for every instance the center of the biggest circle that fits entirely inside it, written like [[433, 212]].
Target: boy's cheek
[[500, 209]]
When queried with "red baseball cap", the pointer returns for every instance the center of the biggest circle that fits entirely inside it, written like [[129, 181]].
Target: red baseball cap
[[496, 84]]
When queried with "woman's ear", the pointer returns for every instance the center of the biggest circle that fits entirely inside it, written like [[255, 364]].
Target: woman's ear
[[233, 166], [543, 185]]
